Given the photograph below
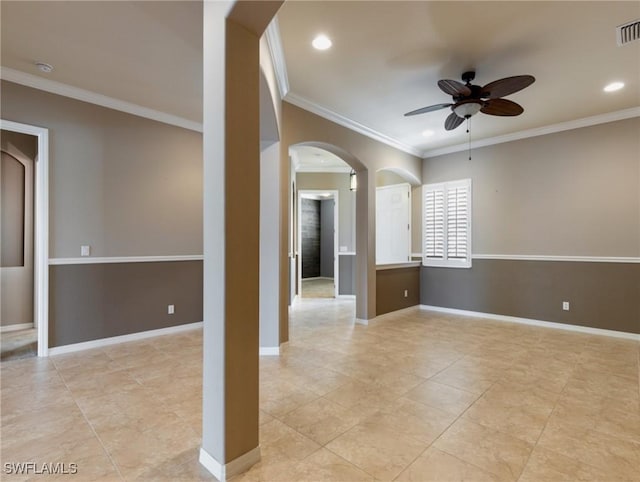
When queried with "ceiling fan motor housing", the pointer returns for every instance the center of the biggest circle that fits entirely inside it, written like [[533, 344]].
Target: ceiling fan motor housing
[[468, 76]]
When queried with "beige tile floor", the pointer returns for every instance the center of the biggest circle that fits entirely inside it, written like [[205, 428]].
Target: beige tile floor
[[318, 288], [15, 345], [415, 396]]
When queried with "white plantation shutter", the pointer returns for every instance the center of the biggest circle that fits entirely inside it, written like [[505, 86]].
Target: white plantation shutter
[[447, 224], [434, 222]]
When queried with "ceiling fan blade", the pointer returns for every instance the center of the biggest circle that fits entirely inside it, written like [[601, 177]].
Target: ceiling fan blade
[[454, 88], [501, 107], [430, 108], [452, 121], [507, 86]]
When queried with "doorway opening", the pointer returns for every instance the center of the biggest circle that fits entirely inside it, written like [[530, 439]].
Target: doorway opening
[[24, 273], [318, 244]]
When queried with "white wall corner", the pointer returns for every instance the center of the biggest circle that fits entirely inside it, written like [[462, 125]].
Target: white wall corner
[[361, 321], [274, 43], [224, 472]]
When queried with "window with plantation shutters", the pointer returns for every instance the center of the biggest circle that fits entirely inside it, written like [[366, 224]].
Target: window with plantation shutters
[[447, 224]]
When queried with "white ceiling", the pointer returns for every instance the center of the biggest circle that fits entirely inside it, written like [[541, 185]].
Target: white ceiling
[[387, 57], [385, 61], [146, 53]]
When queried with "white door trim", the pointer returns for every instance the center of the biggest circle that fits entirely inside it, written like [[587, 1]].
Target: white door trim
[[41, 230], [336, 223]]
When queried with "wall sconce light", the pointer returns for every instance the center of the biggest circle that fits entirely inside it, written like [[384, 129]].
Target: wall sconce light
[[353, 181]]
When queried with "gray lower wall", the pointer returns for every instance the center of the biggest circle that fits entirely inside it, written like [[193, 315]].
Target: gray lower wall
[[93, 301], [391, 285], [601, 295], [347, 275]]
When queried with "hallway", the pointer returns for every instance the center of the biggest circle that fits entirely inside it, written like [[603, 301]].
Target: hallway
[[318, 288], [413, 396]]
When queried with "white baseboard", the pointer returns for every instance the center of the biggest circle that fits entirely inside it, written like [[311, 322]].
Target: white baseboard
[[223, 472], [86, 345], [360, 321], [347, 297], [16, 327], [269, 351], [397, 312], [529, 321]]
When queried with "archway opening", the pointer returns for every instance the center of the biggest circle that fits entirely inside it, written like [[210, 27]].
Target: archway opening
[[323, 171]]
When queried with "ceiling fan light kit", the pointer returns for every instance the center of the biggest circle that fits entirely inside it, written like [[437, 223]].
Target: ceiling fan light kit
[[469, 99], [467, 108]]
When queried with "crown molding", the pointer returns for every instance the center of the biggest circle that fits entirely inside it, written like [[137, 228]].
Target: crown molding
[[83, 95], [317, 109], [311, 169], [274, 43], [539, 131]]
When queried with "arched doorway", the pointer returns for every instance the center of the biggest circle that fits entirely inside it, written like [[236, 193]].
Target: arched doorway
[[323, 225], [358, 254]]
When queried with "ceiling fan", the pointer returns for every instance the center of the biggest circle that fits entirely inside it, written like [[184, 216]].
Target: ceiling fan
[[470, 99]]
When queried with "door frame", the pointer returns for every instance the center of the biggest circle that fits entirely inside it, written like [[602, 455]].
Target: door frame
[[40, 230], [336, 223]]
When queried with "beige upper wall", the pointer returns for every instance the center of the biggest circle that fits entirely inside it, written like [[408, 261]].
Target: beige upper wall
[[388, 178], [346, 201], [573, 193], [303, 126], [124, 185]]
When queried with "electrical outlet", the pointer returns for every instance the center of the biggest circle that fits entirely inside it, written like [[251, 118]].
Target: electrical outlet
[[406, 293], [565, 305], [85, 250], [171, 309]]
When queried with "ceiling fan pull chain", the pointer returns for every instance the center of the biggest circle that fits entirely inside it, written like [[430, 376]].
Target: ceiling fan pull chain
[[469, 135]]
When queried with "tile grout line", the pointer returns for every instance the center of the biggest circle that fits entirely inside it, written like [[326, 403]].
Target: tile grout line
[[555, 405], [351, 463], [454, 421], [447, 428], [115, 466]]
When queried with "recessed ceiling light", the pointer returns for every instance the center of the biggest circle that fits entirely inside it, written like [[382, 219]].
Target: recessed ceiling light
[[44, 67], [613, 86], [321, 42], [427, 133]]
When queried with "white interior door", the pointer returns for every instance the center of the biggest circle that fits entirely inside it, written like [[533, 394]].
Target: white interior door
[[393, 224]]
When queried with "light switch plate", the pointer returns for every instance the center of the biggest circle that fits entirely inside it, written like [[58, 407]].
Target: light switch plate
[[85, 250]]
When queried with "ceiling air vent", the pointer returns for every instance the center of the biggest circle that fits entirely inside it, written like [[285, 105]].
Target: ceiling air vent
[[628, 32]]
